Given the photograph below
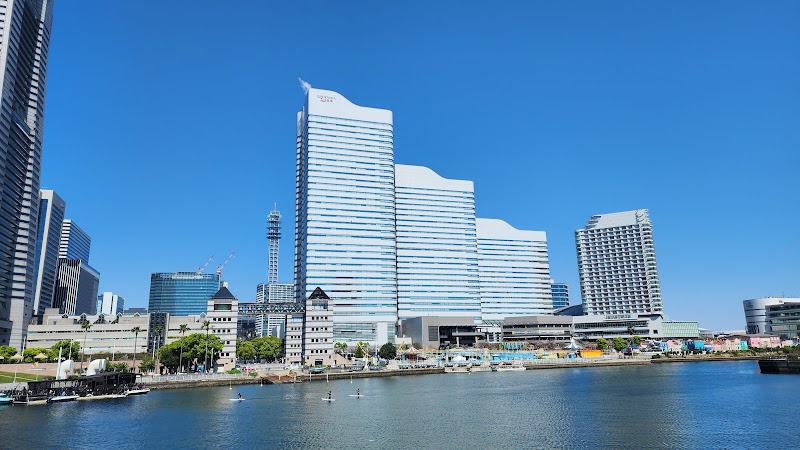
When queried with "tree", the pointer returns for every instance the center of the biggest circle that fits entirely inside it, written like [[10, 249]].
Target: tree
[[157, 344], [602, 344], [169, 355], [360, 353], [135, 331], [183, 329], [85, 324], [67, 348], [245, 350], [29, 353], [636, 341], [340, 347], [147, 364], [387, 351], [619, 344], [206, 326], [7, 351], [117, 367]]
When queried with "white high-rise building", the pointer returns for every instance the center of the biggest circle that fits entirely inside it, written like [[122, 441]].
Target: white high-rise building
[[513, 270], [617, 265], [345, 214], [437, 254], [110, 304]]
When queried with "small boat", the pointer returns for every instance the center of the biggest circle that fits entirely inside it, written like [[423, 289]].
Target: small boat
[[137, 391], [123, 395], [62, 398], [5, 400]]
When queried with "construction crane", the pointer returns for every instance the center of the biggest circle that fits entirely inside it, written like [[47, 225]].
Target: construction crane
[[203, 267], [222, 266]]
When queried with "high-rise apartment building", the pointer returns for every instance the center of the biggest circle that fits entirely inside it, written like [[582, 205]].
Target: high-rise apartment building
[[24, 44], [437, 253], [182, 293], [51, 217], [513, 270], [110, 304], [345, 217], [617, 265], [274, 237], [76, 281], [560, 295]]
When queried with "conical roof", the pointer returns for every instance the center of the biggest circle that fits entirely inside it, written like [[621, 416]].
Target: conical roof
[[318, 294]]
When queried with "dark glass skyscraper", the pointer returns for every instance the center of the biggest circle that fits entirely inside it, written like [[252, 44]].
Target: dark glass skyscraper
[[182, 293], [24, 45], [77, 282]]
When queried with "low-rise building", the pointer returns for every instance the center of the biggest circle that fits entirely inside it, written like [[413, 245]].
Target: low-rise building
[[223, 313], [318, 337], [763, 341], [783, 319], [436, 331], [755, 312], [537, 328]]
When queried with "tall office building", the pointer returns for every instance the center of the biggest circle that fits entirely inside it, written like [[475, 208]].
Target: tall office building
[[110, 304], [24, 44], [76, 281], [51, 217], [617, 264], [76, 287], [560, 295], [513, 270], [273, 324], [182, 293], [274, 237], [75, 243], [345, 217], [437, 254]]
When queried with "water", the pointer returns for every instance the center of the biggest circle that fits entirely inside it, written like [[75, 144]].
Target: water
[[676, 405]]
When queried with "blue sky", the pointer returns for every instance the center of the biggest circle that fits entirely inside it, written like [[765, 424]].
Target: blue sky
[[170, 128]]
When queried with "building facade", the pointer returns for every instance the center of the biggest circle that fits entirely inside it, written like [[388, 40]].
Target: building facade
[[51, 217], [318, 340], [273, 324], [437, 249], [109, 303], [560, 295], [182, 293], [513, 271], [345, 218], [617, 265], [783, 319], [76, 287], [24, 46], [755, 313], [223, 313]]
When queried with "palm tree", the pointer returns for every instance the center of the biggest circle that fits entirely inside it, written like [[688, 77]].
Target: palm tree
[[183, 329], [159, 331], [135, 331], [206, 326], [85, 324]]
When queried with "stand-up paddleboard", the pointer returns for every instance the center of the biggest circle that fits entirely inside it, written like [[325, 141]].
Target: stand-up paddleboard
[[357, 395], [237, 399], [329, 399]]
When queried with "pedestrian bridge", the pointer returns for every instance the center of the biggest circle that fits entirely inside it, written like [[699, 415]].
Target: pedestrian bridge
[[271, 308]]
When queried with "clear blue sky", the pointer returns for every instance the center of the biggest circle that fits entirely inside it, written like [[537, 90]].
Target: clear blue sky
[[170, 127]]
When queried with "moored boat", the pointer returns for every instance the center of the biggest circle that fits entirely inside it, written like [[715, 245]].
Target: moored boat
[[63, 398]]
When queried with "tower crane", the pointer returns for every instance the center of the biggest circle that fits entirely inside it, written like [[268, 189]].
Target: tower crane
[[222, 266], [203, 267]]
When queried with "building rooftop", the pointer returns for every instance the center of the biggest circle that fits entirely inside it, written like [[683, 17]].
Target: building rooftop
[[619, 219]]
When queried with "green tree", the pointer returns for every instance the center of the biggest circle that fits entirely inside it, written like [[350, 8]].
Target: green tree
[[602, 344], [387, 351], [340, 347], [183, 329], [29, 354], [636, 341], [7, 351], [67, 348], [245, 350], [147, 364], [135, 331], [117, 367], [85, 325], [169, 355], [206, 326], [268, 348], [360, 353], [619, 344]]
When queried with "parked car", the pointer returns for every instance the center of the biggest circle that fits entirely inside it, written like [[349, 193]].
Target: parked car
[[316, 370]]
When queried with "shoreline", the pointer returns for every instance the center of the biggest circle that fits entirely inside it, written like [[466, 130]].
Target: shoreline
[[677, 359]]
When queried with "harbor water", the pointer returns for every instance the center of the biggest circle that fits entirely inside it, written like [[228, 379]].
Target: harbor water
[[671, 405]]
